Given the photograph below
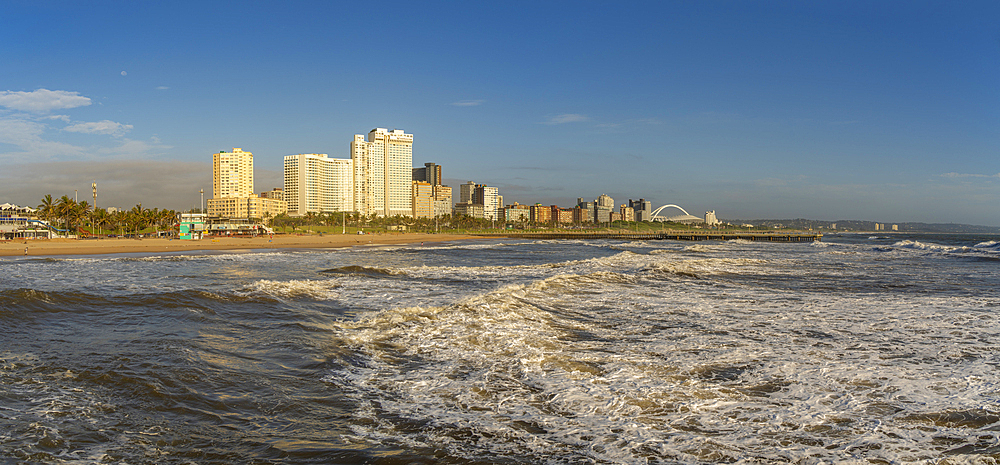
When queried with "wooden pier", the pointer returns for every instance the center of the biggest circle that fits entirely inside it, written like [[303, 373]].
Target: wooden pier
[[669, 235]]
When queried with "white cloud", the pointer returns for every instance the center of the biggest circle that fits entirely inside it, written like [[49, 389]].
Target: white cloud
[[966, 175], [106, 127], [162, 87], [468, 103], [27, 135], [567, 118], [42, 100]]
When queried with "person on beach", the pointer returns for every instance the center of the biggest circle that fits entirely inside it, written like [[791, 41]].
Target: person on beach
[[25, 251]]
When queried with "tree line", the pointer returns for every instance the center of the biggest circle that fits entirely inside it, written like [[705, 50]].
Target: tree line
[[72, 216]]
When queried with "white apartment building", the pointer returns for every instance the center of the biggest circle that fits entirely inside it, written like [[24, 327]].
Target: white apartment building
[[232, 189], [232, 174], [316, 183], [383, 172], [491, 200]]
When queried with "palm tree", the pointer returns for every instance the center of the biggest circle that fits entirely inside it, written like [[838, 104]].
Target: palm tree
[[47, 209], [80, 212], [100, 218], [64, 210]]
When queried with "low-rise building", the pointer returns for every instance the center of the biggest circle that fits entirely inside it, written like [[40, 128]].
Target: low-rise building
[[246, 207], [22, 223], [277, 193], [517, 213], [473, 210]]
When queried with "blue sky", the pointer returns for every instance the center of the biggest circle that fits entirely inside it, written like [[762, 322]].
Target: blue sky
[[885, 111]]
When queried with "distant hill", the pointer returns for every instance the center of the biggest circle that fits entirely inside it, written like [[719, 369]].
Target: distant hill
[[859, 225]]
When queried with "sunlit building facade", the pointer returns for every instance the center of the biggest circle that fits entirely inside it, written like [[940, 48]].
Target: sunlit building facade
[[383, 172], [316, 183]]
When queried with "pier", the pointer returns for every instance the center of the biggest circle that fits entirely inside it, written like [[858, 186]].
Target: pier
[[669, 235]]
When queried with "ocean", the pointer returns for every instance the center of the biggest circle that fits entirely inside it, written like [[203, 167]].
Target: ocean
[[858, 349]]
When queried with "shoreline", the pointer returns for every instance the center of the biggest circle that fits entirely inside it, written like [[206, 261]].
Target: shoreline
[[53, 247]]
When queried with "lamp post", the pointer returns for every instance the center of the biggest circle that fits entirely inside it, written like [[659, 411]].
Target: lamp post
[[202, 209]]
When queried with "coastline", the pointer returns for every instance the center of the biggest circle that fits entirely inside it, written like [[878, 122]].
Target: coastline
[[49, 247]]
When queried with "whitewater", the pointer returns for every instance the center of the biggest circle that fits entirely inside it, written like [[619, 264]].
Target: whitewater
[[855, 349]]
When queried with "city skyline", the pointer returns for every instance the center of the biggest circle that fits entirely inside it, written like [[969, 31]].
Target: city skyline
[[847, 110]]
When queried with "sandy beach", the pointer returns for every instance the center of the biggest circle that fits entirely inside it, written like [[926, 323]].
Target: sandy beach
[[45, 247]]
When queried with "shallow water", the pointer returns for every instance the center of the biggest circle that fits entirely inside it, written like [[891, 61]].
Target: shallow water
[[871, 349]]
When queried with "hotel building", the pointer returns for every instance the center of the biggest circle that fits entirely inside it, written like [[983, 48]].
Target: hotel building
[[316, 183], [383, 172], [232, 174], [232, 189]]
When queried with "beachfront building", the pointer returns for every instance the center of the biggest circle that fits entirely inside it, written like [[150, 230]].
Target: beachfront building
[[541, 214], [517, 213], [316, 183], [22, 223], [473, 210], [383, 172], [490, 199], [232, 189], [423, 199], [252, 207], [562, 215], [441, 194], [442, 201], [191, 226], [232, 174]]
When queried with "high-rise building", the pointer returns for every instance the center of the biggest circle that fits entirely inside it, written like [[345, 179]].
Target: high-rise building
[[232, 188], [316, 183], [489, 198], [383, 172], [604, 206], [466, 192], [442, 200], [423, 200], [232, 174], [430, 173], [642, 208], [588, 211]]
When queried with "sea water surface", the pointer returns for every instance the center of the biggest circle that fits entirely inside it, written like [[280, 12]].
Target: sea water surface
[[856, 349]]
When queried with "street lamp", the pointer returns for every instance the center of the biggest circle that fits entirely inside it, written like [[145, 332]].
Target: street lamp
[[202, 192]]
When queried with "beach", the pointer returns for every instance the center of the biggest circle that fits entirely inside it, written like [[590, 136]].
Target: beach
[[45, 247]]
